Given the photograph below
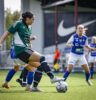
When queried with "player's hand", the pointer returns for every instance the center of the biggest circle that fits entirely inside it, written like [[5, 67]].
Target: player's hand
[[32, 37], [69, 45]]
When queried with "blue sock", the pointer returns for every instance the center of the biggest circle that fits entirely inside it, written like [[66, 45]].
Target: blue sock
[[30, 77], [10, 75], [66, 75], [87, 76], [91, 71]]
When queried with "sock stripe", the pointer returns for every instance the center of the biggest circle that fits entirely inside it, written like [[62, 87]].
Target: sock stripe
[[24, 82], [43, 62], [36, 81], [49, 72], [38, 71]]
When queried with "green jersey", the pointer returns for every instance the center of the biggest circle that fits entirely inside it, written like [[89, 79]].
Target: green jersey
[[21, 36]]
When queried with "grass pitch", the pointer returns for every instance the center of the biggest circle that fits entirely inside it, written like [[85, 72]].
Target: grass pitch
[[78, 89]]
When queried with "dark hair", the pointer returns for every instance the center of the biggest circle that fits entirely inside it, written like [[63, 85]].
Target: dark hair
[[25, 15]]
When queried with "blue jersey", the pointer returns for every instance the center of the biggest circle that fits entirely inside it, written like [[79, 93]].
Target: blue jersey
[[78, 44], [12, 52], [93, 52]]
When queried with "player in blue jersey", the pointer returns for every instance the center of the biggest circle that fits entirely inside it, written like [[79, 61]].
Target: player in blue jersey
[[92, 56], [22, 31], [77, 42]]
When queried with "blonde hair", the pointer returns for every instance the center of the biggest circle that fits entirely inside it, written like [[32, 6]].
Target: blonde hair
[[84, 29], [94, 38]]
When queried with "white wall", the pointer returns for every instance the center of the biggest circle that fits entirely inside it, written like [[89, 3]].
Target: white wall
[[35, 7], [37, 27], [25, 5]]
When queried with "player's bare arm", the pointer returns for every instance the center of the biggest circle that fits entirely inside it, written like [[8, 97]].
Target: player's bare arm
[[90, 48], [69, 45], [4, 37]]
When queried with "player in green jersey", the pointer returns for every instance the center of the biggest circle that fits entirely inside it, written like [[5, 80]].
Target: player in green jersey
[[22, 31]]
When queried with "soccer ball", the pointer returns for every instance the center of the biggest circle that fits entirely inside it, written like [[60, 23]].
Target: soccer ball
[[61, 87]]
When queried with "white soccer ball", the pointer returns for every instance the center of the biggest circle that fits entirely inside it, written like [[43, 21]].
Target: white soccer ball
[[61, 87]]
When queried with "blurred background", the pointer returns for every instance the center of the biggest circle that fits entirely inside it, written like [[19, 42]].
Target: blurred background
[[55, 22]]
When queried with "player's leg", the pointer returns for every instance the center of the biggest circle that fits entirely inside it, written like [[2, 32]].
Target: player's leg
[[37, 78], [71, 61], [87, 73], [36, 57], [22, 79], [69, 69], [19, 80], [91, 70], [55, 61], [25, 73], [10, 75], [91, 61], [85, 66], [30, 77], [30, 56]]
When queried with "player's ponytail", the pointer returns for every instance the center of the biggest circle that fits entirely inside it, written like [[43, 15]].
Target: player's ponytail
[[26, 15]]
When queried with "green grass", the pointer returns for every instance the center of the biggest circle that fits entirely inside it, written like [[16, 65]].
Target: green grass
[[77, 89]]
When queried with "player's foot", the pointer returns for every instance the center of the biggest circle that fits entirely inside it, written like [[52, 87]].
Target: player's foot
[[35, 89], [24, 84], [89, 83], [5, 85], [56, 79], [19, 81], [27, 89]]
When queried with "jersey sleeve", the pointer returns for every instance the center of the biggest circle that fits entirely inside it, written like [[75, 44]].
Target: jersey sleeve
[[70, 39], [14, 28], [86, 42]]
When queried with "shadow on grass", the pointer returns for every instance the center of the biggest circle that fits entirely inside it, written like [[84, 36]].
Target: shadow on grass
[[68, 86], [47, 86], [15, 86], [78, 86], [14, 91], [22, 91]]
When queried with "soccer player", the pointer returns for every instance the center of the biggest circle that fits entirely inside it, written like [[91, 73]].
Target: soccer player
[[57, 56], [77, 42], [22, 31], [24, 74], [17, 64], [92, 56]]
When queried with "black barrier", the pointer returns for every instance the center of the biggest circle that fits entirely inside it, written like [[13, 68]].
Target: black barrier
[[66, 26]]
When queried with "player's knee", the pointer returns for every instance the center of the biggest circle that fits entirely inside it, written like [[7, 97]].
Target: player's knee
[[30, 68], [87, 71], [16, 68], [69, 69]]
